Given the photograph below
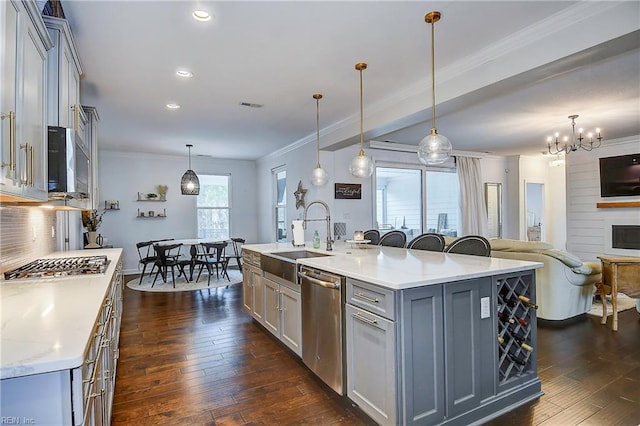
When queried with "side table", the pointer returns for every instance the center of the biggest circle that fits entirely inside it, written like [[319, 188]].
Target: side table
[[620, 274]]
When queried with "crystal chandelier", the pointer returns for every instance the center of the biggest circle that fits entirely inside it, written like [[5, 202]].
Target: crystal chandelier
[[319, 176], [576, 141], [362, 165], [434, 148]]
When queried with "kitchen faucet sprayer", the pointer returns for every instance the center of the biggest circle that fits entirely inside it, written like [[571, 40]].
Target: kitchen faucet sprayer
[[327, 219]]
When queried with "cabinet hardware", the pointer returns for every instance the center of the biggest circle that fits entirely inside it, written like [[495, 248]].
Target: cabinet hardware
[[25, 181], [12, 142], [364, 319], [31, 168], [366, 298]]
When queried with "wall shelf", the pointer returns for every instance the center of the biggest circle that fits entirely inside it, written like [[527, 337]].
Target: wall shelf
[[152, 214], [618, 205]]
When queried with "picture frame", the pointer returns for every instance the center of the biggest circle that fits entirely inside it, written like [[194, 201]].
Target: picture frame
[[348, 191]]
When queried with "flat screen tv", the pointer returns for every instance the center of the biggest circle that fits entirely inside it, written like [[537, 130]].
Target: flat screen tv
[[620, 176]]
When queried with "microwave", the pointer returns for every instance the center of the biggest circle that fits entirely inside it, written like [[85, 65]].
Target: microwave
[[68, 165]]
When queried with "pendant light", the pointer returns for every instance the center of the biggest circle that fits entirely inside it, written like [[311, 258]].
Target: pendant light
[[190, 184], [319, 176], [434, 148], [362, 165]]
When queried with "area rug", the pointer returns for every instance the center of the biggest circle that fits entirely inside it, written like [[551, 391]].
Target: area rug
[[624, 303], [182, 284]]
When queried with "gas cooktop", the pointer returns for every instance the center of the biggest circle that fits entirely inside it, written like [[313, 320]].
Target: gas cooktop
[[60, 267]]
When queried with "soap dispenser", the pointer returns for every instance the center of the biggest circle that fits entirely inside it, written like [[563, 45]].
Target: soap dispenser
[[316, 239]]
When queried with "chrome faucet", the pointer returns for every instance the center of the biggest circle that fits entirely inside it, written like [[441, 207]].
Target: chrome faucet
[[328, 219]]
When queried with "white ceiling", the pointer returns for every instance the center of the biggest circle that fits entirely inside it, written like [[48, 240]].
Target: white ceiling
[[508, 73]]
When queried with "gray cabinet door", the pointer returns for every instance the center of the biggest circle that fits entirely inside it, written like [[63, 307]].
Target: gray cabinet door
[[371, 364], [247, 290], [422, 339], [291, 319], [258, 296], [470, 343]]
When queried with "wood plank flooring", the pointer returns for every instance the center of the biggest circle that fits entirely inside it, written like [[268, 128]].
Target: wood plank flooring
[[195, 358]]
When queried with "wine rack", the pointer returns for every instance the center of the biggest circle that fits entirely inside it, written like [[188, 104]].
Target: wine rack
[[516, 327]]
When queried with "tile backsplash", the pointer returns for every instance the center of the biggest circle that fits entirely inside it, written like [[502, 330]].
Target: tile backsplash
[[26, 233]]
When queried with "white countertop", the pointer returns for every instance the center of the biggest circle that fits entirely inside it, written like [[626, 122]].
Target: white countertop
[[47, 323], [398, 268]]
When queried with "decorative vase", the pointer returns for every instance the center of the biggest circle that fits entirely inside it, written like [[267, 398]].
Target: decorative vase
[[92, 236]]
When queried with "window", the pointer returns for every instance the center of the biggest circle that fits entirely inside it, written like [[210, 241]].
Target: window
[[280, 184], [416, 199], [213, 207]]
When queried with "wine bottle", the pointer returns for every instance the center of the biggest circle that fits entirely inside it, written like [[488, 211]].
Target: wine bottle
[[515, 359], [522, 322], [527, 302], [504, 317], [520, 340]]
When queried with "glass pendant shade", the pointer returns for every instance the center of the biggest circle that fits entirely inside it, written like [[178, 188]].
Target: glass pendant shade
[[434, 149], [190, 184], [318, 177], [361, 166]]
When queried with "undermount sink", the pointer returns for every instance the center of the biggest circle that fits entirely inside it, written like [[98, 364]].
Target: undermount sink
[[299, 254], [283, 265]]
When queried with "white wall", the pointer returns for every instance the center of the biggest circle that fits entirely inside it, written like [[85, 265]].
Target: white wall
[[588, 229], [123, 175]]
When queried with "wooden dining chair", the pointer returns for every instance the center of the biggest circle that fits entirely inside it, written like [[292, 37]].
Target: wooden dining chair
[[236, 245], [213, 255], [168, 257]]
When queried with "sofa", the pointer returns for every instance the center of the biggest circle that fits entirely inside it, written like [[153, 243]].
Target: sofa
[[564, 286]]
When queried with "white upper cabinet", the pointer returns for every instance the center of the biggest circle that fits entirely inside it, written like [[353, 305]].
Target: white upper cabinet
[[23, 108], [64, 77]]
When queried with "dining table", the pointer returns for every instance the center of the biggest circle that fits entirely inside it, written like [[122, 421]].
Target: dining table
[[193, 251]]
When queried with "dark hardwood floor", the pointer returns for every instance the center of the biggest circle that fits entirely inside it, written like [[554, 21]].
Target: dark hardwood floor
[[195, 358]]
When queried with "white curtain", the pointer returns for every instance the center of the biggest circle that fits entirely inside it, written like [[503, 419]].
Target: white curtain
[[472, 204]]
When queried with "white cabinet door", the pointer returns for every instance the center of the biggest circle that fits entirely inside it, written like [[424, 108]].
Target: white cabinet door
[[32, 133], [247, 291], [291, 333], [257, 310], [371, 364], [271, 305], [9, 18], [23, 108]]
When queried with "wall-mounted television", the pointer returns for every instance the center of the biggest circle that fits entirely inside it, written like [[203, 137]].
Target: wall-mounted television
[[620, 176]]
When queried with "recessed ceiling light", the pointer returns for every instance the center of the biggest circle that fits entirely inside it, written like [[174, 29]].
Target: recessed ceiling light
[[173, 106], [184, 73], [201, 15]]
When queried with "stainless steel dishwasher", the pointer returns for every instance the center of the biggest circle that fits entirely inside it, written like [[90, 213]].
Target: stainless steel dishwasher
[[323, 325]]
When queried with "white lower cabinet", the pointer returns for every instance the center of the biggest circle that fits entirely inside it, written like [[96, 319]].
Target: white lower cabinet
[[252, 292], [81, 396], [371, 365], [282, 311]]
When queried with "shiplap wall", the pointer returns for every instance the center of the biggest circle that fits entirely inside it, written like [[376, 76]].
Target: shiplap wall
[[587, 226], [403, 202], [18, 226]]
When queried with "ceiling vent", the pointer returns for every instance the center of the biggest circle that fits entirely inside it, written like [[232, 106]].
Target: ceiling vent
[[250, 105]]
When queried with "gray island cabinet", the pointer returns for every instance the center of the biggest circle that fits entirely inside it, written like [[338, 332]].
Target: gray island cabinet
[[430, 338], [430, 355]]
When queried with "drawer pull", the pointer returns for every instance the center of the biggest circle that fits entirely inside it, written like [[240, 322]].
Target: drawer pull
[[366, 298], [364, 319]]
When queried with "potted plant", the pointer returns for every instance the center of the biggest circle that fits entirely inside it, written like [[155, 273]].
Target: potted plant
[[91, 220]]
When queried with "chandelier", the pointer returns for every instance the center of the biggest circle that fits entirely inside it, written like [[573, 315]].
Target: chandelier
[[576, 142]]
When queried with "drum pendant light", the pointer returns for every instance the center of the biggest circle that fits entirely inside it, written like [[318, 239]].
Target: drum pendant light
[[190, 184], [434, 148], [362, 165], [319, 176]]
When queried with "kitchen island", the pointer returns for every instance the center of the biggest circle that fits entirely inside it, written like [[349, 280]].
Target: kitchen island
[[429, 338], [59, 345]]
